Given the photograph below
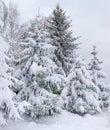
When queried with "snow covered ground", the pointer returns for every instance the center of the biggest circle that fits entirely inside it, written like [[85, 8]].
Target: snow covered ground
[[66, 121]]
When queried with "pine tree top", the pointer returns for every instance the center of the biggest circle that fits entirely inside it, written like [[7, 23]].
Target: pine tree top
[[59, 20], [94, 52], [95, 65]]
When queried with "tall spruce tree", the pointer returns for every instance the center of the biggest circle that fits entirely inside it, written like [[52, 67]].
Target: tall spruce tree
[[60, 34], [98, 77]]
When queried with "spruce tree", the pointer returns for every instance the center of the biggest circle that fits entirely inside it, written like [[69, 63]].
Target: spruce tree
[[98, 77], [35, 68], [59, 32], [8, 111], [81, 94]]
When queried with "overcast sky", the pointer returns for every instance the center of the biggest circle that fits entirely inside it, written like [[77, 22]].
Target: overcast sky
[[90, 19]]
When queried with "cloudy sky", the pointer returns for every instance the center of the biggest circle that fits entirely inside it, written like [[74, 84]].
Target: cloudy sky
[[90, 19]]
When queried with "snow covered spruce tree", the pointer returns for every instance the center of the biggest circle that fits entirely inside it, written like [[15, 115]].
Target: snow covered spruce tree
[[35, 68], [81, 94], [8, 110], [98, 78], [59, 32]]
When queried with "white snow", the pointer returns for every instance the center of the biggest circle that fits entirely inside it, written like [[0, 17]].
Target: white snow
[[65, 121]]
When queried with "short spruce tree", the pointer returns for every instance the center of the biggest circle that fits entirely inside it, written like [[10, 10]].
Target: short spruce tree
[[34, 66], [81, 94], [98, 77]]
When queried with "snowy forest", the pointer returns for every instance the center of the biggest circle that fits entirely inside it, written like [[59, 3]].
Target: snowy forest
[[42, 73]]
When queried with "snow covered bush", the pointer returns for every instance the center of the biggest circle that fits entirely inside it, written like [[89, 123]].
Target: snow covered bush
[[8, 110], [34, 105]]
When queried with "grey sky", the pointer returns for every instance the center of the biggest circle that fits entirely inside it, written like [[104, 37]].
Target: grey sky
[[91, 20]]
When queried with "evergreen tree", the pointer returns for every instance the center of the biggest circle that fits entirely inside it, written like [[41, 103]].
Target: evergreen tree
[[59, 32], [81, 94], [98, 77], [36, 69], [8, 111]]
